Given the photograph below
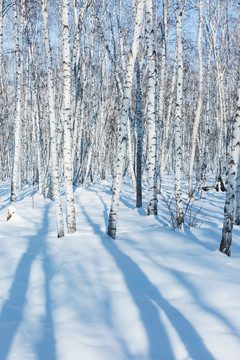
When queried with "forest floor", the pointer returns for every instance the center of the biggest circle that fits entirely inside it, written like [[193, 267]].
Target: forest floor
[[153, 294]]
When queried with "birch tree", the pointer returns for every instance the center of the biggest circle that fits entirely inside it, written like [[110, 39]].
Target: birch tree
[[216, 29], [52, 119], [139, 138], [122, 131], [199, 105], [1, 31], [225, 246], [18, 59], [178, 118], [167, 138], [162, 121], [68, 169], [237, 204], [1, 54], [151, 110]]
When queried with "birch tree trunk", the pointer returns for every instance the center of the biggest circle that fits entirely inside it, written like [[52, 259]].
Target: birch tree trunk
[[1, 71], [68, 169], [207, 125], [1, 31], [166, 141], [178, 119], [78, 23], [37, 124], [17, 131], [130, 155], [225, 246], [151, 111], [199, 105], [122, 131], [139, 139], [52, 118], [162, 121], [237, 206]]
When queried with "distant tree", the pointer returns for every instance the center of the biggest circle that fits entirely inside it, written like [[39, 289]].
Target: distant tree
[[18, 90], [1, 30], [162, 123], [200, 96]]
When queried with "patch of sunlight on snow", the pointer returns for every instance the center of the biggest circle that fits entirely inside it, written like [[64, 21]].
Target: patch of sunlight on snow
[[126, 318]]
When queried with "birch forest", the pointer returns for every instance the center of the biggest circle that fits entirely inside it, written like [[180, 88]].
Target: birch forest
[[134, 89]]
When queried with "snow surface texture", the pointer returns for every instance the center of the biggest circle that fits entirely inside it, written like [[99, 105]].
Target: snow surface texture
[[152, 294]]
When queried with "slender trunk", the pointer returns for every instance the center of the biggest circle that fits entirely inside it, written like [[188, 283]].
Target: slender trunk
[[68, 168], [199, 105], [52, 118], [151, 111], [130, 155], [178, 120], [88, 164], [139, 140], [1, 31], [36, 107], [1, 53], [122, 135], [237, 205], [225, 246], [166, 139], [162, 121], [15, 172], [39, 154], [207, 125]]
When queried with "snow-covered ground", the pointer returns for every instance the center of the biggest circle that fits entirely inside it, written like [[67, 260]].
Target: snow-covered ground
[[152, 294]]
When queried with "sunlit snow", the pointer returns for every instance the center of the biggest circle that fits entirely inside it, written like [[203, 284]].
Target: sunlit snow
[[152, 294]]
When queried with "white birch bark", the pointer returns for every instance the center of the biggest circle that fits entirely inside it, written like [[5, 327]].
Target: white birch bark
[[237, 192], [78, 21], [39, 154], [68, 168], [130, 155], [225, 246], [122, 132], [207, 125], [199, 105], [1, 31], [76, 81], [15, 172], [166, 140], [36, 106], [89, 156], [89, 151], [162, 122], [151, 110], [1, 53], [178, 118], [139, 139], [52, 118], [215, 29]]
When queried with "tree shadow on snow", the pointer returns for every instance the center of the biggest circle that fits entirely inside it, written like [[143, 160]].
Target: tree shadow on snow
[[46, 345], [141, 211], [149, 301], [12, 313], [124, 200], [208, 245], [181, 279]]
